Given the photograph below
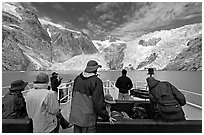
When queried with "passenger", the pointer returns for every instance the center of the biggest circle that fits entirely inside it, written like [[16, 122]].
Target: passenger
[[150, 72], [13, 103], [42, 106], [55, 83], [124, 84], [166, 99], [88, 100]]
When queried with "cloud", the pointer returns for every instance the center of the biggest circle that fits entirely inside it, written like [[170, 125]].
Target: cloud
[[28, 5], [82, 19], [58, 7], [47, 18], [106, 6], [152, 15]]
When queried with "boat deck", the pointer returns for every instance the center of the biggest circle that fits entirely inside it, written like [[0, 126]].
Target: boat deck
[[193, 112]]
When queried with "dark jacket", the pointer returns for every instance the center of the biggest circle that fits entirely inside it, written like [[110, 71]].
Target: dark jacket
[[124, 84], [54, 83], [87, 100], [13, 106], [162, 93]]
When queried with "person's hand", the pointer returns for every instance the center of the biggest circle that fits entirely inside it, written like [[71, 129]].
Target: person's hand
[[108, 108], [111, 120], [60, 78]]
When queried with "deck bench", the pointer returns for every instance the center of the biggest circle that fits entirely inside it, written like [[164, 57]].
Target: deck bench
[[17, 126]]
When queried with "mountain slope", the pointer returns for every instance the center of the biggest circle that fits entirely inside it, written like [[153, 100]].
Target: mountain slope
[[159, 54], [28, 44], [190, 58]]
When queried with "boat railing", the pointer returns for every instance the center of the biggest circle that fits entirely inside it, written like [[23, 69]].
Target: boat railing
[[65, 92]]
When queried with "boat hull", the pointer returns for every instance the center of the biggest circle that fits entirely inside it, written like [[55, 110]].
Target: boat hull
[[145, 125]]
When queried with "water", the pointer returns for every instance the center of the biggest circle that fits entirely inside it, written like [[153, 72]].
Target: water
[[187, 80]]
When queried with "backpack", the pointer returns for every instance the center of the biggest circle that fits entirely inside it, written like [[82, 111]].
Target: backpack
[[139, 112], [166, 105]]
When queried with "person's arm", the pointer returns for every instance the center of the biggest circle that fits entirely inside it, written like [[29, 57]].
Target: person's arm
[[178, 95], [117, 84], [51, 104], [130, 85], [98, 100], [22, 107], [58, 82]]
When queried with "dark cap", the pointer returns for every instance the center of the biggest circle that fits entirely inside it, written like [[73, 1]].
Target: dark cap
[[18, 85], [91, 66], [150, 71], [42, 78], [54, 74]]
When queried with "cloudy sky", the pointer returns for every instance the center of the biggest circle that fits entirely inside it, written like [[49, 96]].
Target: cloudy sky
[[124, 19]]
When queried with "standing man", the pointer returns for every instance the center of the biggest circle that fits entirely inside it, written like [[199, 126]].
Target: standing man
[[124, 84], [13, 103], [42, 106], [88, 100], [150, 72], [54, 81]]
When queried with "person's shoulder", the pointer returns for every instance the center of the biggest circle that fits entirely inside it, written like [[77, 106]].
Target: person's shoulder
[[97, 79]]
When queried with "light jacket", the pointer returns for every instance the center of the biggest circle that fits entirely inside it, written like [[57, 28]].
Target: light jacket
[[42, 105], [88, 100]]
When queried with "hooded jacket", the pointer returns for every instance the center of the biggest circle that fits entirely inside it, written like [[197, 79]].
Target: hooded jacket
[[165, 93], [42, 107], [87, 100]]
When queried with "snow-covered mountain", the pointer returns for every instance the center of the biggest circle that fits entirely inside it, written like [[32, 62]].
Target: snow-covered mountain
[[30, 43], [108, 41], [159, 48]]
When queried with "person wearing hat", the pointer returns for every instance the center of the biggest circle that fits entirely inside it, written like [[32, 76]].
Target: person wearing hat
[[124, 84], [55, 83], [166, 100], [88, 100], [13, 103], [42, 106], [150, 71]]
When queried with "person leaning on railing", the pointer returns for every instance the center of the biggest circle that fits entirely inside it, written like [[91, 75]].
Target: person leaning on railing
[[124, 84], [88, 100], [42, 106], [13, 103]]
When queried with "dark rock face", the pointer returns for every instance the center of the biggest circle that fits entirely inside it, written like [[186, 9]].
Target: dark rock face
[[26, 44], [190, 58], [70, 44], [148, 60], [150, 42], [114, 56], [19, 34]]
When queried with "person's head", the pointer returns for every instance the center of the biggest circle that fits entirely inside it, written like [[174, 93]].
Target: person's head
[[42, 78], [92, 67], [150, 71], [54, 74], [124, 72], [18, 86]]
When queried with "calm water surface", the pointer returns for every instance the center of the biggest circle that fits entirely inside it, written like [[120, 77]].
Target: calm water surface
[[188, 80]]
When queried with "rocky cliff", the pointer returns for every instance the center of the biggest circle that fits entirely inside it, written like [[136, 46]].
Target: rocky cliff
[[21, 31], [190, 58], [164, 49], [28, 44]]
